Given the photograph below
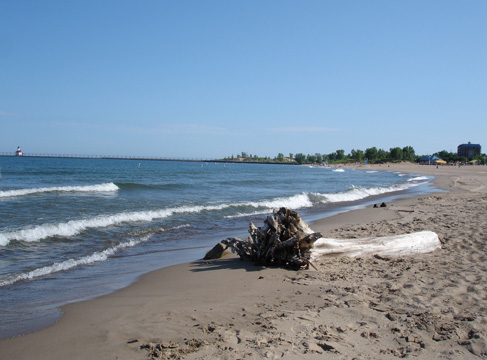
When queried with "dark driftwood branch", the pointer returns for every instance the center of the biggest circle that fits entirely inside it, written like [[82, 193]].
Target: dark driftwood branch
[[284, 240]]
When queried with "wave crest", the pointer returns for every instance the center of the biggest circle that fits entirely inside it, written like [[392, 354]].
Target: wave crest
[[419, 178], [356, 193], [69, 264], [74, 227], [299, 201], [106, 187], [293, 202]]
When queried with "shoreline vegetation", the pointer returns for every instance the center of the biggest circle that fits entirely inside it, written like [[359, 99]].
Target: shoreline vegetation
[[374, 307], [369, 156]]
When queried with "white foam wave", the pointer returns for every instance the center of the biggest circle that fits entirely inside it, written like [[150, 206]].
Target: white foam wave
[[419, 178], [253, 213], [293, 202], [339, 170], [74, 227], [371, 171], [298, 201], [70, 264], [356, 193], [106, 187]]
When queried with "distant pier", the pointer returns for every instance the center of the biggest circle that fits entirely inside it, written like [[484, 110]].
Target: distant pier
[[137, 158], [106, 157]]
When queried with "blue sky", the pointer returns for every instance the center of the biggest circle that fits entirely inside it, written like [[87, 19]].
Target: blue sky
[[207, 79]]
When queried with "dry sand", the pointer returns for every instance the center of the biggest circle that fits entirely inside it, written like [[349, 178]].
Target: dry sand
[[430, 306]]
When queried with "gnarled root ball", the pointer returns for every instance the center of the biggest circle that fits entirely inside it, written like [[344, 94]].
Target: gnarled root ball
[[284, 240]]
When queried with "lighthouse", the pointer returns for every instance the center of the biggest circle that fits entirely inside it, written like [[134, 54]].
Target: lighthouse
[[18, 152]]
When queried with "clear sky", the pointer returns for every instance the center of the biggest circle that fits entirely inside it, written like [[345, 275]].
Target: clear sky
[[207, 79]]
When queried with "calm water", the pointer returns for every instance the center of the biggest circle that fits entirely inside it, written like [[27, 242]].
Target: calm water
[[73, 229]]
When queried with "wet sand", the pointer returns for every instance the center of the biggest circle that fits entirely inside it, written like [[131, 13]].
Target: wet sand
[[425, 306]]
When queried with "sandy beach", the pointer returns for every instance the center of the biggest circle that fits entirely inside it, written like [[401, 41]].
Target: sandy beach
[[429, 306]]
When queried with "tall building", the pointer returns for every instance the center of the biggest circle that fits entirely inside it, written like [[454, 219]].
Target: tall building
[[468, 150]]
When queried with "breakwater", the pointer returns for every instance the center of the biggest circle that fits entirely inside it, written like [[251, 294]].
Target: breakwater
[[139, 158], [110, 157]]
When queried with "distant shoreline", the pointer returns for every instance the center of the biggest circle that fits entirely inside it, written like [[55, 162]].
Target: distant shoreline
[[142, 158], [103, 157]]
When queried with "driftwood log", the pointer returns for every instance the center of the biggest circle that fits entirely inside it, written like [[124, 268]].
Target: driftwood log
[[284, 240]]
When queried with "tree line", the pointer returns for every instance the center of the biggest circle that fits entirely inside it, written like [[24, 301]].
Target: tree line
[[370, 155]]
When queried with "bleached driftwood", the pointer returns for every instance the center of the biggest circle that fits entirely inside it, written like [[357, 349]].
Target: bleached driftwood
[[284, 240], [421, 242]]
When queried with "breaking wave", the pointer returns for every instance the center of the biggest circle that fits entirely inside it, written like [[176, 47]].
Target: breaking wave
[[299, 201], [292, 202], [74, 227], [106, 187], [419, 178], [96, 257], [70, 264], [356, 193], [312, 199]]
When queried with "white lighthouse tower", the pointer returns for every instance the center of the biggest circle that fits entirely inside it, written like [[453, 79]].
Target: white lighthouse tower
[[18, 152]]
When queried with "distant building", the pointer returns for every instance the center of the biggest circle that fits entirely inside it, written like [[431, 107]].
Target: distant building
[[18, 152], [468, 150]]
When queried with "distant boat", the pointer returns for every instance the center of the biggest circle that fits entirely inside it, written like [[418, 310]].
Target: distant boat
[[18, 152]]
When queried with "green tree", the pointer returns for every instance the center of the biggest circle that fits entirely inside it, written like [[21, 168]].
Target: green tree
[[340, 154], [382, 155], [408, 153], [479, 158], [319, 158], [446, 155], [280, 157], [396, 154], [371, 154], [311, 159], [332, 156], [357, 155], [300, 158]]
